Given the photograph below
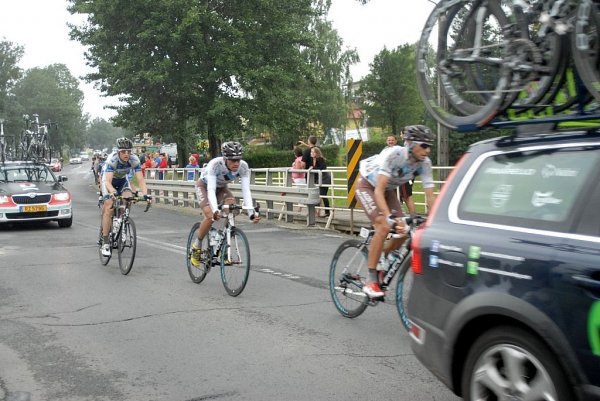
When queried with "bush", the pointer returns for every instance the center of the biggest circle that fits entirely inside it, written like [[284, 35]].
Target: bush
[[268, 157]]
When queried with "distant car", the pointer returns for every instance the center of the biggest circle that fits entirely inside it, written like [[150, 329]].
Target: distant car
[[505, 302], [31, 192], [75, 160], [84, 156]]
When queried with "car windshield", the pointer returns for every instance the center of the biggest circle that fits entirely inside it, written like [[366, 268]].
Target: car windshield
[[33, 173]]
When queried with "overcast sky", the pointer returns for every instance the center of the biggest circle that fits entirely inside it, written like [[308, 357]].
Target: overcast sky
[[40, 26]]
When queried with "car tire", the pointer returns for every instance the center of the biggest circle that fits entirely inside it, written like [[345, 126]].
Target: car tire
[[508, 359], [64, 223]]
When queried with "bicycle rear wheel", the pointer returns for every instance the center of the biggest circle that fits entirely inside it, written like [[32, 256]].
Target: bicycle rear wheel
[[403, 288], [126, 245], [198, 273], [345, 283], [235, 262], [586, 45], [103, 259]]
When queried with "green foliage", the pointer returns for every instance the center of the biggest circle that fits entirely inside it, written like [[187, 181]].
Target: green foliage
[[270, 157], [10, 55], [390, 89], [102, 134]]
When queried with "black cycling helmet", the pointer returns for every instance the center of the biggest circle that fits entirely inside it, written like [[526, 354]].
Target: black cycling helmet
[[419, 133], [124, 143], [232, 150]]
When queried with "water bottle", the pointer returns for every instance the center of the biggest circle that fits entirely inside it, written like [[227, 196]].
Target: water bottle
[[116, 224], [213, 237], [392, 258]]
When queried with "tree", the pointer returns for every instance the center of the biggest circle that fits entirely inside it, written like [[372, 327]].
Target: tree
[[390, 89], [102, 134], [54, 94], [10, 55], [206, 69]]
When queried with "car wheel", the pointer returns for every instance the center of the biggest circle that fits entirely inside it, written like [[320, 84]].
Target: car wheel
[[63, 223], [511, 363]]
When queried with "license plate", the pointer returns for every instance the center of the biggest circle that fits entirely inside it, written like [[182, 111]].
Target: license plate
[[34, 208]]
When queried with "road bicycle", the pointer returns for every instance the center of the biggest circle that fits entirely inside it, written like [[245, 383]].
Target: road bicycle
[[484, 56], [349, 268], [122, 235], [226, 246], [34, 143]]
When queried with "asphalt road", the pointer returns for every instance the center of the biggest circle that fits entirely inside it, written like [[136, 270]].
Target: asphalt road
[[72, 329]]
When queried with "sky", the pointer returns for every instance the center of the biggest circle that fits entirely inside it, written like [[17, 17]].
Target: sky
[[40, 26]]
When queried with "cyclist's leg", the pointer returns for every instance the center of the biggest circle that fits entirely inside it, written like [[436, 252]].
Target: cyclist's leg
[[106, 212], [365, 193], [206, 222], [396, 208]]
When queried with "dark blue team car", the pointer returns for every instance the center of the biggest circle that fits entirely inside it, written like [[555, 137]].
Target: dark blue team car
[[505, 303]]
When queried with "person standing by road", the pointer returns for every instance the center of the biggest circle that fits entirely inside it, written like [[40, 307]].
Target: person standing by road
[[325, 182], [212, 189], [306, 158], [379, 177], [298, 164]]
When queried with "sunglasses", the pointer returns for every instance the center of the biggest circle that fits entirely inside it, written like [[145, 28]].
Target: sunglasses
[[125, 151], [424, 145]]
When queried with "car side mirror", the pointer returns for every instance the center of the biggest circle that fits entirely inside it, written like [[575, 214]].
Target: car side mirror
[[63, 178]]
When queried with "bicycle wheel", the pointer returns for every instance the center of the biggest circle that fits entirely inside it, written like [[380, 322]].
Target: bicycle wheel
[[126, 245], [586, 45], [403, 287], [446, 60], [235, 262], [197, 274], [103, 259], [345, 283]]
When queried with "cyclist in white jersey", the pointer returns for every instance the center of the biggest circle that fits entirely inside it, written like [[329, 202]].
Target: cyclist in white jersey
[[212, 189], [380, 175], [115, 181]]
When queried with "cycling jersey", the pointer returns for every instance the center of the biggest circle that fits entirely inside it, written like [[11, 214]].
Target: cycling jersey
[[395, 162], [119, 168], [216, 175]]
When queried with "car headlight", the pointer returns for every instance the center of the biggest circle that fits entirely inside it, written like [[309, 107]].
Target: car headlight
[[62, 196], [5, 199]]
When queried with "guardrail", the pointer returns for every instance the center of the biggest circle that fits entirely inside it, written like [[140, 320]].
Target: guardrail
[[275, 187]]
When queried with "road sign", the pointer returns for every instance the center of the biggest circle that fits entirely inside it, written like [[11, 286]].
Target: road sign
[[354, 152]]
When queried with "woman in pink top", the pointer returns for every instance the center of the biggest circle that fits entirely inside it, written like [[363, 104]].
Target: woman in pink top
[[298, 164]]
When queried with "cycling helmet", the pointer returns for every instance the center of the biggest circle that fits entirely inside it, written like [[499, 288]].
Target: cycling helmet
[[124, 143], [232, 150], [419, 133]]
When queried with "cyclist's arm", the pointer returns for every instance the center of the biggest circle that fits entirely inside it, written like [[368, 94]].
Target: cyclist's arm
[[246, 194], [107, 177], [429, 198], [141, 181], [211, 191]]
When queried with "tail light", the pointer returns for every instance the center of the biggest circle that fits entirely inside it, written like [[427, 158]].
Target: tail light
[[416, 263]]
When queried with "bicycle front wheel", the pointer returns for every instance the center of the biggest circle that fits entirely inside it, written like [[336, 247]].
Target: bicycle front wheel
[[403, 288], [235, 262], [345, 283], [127, 243], [199, 272]]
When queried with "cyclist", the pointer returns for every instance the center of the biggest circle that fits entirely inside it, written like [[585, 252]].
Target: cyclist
[[115, 182], [212, 189], [380, 175]]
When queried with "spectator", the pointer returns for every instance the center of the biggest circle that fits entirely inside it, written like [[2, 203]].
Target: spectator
[[306, 158], [391, 140], [163, 165], [191, 166], [298, 164], [319, 164]]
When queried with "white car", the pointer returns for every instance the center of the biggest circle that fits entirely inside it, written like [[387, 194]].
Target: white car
[[84, 156], [75, 160]]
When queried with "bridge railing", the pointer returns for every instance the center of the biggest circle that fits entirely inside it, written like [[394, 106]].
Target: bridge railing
[[275, 188]]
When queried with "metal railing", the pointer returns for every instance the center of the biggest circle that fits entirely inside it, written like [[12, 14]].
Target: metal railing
[[170, 186]]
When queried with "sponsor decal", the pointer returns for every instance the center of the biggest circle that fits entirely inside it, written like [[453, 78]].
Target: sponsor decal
[[594, 328], [474, 252], [510, 170], [472, 267], [500, 195], [435, 246], [550, 170], [433, 261], [540, 199]]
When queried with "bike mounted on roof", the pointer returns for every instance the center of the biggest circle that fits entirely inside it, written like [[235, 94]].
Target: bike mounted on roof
[[503, 64], [34, 143]]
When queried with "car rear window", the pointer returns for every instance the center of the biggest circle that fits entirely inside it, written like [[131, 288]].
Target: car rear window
[[535, 188]]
